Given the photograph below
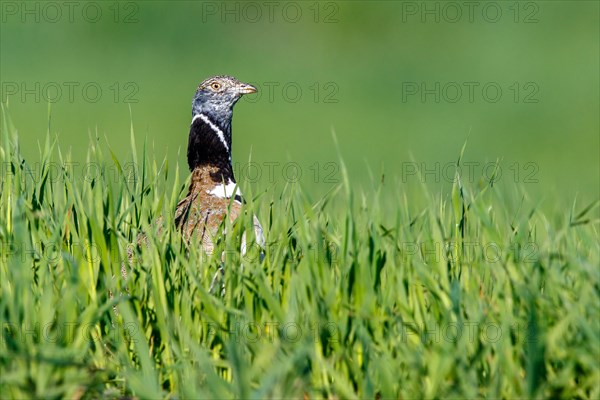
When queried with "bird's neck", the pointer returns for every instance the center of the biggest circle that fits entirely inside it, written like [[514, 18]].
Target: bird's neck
[[209, 147]]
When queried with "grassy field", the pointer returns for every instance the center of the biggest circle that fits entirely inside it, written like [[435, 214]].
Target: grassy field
[[473, 293], [389, 271]]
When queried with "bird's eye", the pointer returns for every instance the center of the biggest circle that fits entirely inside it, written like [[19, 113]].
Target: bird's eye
[[215, 85]]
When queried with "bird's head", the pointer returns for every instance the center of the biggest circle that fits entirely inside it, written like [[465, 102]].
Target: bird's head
[[216, 96]]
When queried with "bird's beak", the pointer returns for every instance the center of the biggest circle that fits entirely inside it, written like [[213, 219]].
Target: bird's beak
[[244, 88]]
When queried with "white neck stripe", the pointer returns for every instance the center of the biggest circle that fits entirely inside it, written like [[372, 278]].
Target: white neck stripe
[[213, 127]]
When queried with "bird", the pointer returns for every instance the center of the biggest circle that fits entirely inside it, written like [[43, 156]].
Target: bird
[[213, 193]]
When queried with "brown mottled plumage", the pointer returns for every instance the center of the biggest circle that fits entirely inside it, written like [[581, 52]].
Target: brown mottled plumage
[[200, 214]]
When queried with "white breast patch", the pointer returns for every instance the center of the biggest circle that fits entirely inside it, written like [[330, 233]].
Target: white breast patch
[[226, 191]]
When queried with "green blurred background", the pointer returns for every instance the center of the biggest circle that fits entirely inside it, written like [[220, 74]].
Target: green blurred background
[[357, 68]]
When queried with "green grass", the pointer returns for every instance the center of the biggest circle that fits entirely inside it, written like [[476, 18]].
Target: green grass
[[474, 293]]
